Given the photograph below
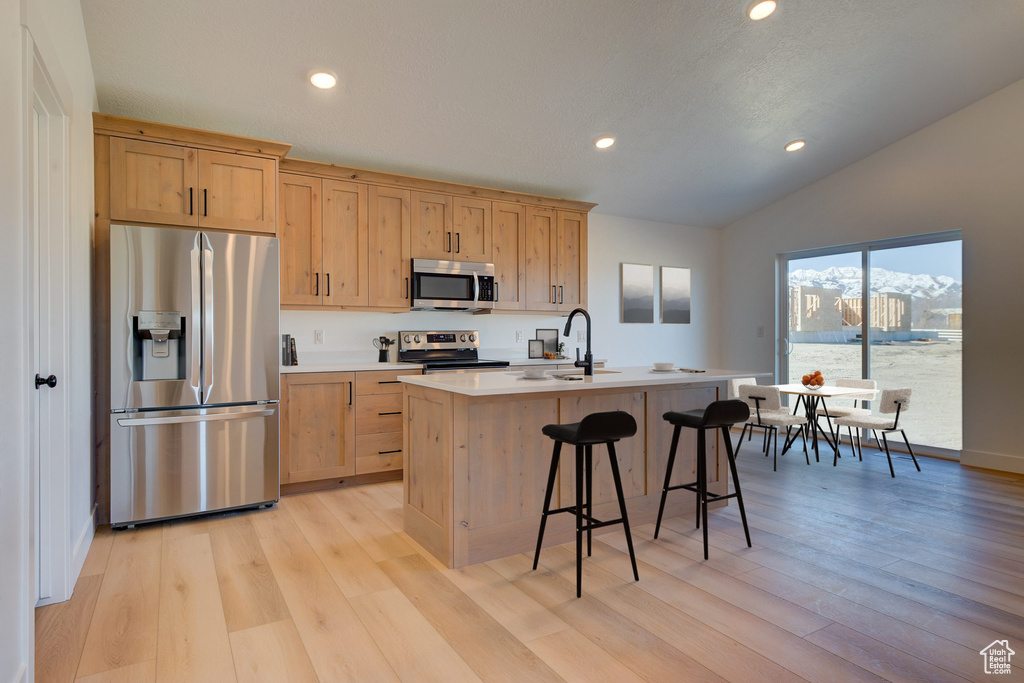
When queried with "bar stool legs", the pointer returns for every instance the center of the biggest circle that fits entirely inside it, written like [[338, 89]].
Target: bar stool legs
[[583, 509], [719, 415]]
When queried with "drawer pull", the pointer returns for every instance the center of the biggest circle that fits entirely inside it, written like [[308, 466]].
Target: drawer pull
[[388, 452], [397, 412], [389, 381]]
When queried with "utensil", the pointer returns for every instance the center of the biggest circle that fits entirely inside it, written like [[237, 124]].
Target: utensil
[[382, 344]]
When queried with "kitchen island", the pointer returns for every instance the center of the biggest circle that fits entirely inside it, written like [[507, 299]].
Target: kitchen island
[[476, 461]]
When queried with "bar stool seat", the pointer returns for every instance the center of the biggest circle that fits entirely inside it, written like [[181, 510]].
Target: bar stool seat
[[718, 415], [596, 428]]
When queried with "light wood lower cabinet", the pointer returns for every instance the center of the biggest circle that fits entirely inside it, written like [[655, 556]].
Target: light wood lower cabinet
[[340, 424], [317, 426], [379, 421]]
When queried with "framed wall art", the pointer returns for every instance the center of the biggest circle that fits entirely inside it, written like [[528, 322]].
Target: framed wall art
[[637, 293], [675, 295]]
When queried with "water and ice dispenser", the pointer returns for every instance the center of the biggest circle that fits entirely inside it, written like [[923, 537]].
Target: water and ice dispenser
[[159, 348]]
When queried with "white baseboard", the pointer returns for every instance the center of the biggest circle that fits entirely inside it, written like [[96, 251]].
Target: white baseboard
[[81, 548], [1001, 462]]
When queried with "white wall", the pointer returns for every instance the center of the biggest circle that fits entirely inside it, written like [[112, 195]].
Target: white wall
[[964, 172], [14, 589], [611, 241], [57, 29]]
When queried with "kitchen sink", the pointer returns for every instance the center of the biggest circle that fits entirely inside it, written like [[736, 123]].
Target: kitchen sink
[[579, 371]]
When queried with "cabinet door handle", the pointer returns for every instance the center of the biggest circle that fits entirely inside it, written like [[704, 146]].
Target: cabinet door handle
[[397, 412], [328, 284], [190, 201], [495, 292], [206, 204], [458, 242], [388, 452], [317, 292], [350, 393], [449, 249], [554, 294], [561, 299], [406, 288]]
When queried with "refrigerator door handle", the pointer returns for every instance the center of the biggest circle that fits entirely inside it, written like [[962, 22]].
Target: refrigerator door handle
[[185, 419], [195, 322], [208, 316]]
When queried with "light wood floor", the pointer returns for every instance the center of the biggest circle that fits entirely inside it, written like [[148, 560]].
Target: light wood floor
[[853, 576]]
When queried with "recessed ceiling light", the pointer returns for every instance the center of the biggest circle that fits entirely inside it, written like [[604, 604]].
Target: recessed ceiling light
[[604, 142], [761, 9], [323, 79], [796, 145]]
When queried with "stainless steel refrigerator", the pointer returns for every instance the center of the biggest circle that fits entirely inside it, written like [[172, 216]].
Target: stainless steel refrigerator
[[194, 375]]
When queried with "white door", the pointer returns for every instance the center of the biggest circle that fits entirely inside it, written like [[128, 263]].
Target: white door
[[48, 332]]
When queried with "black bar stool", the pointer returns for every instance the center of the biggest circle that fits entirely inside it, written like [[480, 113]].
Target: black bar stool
[[596, 428], [719, 415]]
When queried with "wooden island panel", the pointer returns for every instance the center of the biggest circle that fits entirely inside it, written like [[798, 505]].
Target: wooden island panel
[[477, 466]]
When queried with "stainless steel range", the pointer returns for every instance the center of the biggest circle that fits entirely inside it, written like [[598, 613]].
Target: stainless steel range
[[445, 351]]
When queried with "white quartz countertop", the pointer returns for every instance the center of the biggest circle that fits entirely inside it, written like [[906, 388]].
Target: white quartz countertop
[[347, 367], [497, 383]]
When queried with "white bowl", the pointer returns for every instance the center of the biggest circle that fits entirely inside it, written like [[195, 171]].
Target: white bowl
[[533, 373], [664, 367]]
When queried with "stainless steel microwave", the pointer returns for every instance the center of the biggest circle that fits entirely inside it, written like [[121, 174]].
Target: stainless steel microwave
[[452, 285]]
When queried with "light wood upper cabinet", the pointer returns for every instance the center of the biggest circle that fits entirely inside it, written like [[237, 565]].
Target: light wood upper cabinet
[[432, 226], [571, 257], [317, 426], [300, 229], [541, 259], [345, 256], [239, 192], [170, 184], [389, 246], [508, 252], [472, 229], [153, 183]]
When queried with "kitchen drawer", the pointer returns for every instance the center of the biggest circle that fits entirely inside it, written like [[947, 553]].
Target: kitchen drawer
[[378, 452], [379, 413], [381, 381]]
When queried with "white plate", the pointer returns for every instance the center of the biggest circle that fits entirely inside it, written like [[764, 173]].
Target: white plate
[[661, 371], [544, 377]]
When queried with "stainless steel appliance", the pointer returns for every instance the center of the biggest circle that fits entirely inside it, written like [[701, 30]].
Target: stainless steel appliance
[[194, 377], [452, 285], [445, 351]]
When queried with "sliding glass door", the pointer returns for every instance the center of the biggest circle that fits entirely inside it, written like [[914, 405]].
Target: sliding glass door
[[890, 311]]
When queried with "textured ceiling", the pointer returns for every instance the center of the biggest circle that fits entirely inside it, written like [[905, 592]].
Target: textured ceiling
[[512, 93]]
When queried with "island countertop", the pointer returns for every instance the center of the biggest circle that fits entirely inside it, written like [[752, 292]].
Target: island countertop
[[501, 383]]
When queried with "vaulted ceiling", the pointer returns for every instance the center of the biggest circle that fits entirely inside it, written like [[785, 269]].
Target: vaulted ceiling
[[513, 93]]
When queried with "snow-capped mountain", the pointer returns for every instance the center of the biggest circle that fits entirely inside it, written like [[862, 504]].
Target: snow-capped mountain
[[928, 292], [849, 281]]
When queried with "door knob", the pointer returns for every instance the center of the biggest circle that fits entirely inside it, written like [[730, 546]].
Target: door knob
[[50, 381]]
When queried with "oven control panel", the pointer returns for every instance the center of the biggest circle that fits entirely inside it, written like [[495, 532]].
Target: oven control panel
[[423, 340]]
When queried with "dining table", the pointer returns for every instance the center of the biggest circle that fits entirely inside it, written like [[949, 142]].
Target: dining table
[[814, 398]]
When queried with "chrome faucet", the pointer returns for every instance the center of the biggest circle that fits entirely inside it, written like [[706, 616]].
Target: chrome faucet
[[588, 359]]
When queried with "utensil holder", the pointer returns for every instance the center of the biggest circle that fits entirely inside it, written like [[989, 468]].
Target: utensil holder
[[382, 356]]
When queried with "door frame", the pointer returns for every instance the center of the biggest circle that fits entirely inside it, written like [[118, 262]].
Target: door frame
[[783, 345], [48, 220]]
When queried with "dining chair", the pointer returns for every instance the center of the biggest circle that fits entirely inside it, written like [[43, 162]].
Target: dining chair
[[766, 404], [893, 403], [733, 391], [834, 411]]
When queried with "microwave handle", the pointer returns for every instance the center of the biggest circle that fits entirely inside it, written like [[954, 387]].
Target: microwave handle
[[476, 289]]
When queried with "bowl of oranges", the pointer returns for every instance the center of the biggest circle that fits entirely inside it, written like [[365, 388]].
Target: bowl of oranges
[[813, 381]]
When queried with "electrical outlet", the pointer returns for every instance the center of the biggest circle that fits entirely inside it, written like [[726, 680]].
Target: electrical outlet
[[581, 336], [760, 330], [519, 336], [318, 337]]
